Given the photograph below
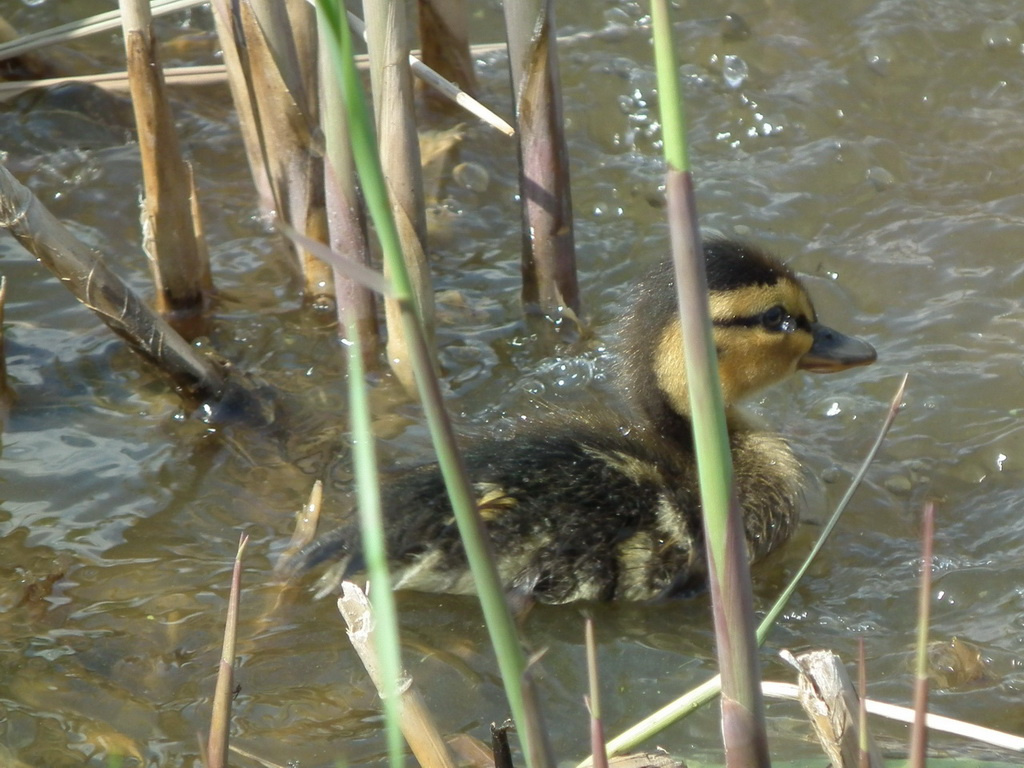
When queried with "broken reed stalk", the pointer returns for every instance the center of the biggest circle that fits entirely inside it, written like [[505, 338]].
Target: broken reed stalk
[[744, 729], [399, 152], [444, 41], [896, 713], [197, 377], [346, 216], [833, 707], [172, 235], [306, 521], [919, 732], [549, 250], [413, 715], [220, 719], [511, 658]]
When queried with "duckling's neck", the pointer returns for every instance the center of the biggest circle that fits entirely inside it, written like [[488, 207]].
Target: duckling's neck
[[666, 421], [663, 419]]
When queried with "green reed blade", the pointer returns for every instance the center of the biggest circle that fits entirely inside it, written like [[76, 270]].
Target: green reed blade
[[509, 652], [743, 721], [371, 527]]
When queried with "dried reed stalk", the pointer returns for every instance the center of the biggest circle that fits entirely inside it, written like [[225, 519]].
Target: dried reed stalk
[[220, 718], [280, 87], [230, 37], [417, 723], [549, 258], [833, 706], [346, 218], [171, 234], [398, 142]]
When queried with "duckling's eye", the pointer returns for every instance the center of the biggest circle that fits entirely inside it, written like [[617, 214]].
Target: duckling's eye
[[776, 319]]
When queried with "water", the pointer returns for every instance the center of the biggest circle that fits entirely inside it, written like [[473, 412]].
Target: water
[[876, 148]]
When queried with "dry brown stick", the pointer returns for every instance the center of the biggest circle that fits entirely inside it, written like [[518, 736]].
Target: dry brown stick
[[170, 233], [830, 701], [220, 718]]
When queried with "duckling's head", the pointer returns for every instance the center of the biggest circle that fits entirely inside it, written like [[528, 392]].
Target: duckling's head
[[764, 329]]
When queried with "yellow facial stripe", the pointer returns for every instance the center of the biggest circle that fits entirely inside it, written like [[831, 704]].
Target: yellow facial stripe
[[755, 299]]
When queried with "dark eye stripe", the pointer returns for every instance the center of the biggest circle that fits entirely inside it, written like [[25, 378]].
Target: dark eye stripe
[[750, 321]]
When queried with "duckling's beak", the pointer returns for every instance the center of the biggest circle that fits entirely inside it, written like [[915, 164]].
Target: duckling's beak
[[833, 351]]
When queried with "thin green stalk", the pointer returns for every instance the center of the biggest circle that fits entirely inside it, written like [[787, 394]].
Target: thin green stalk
[[780, 602], [598, 755], [863, 743], [743, 722], [371, 526], [919, 732], [511, 659]]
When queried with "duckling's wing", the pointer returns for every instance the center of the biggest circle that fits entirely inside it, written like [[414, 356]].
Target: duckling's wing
[[572, 514]]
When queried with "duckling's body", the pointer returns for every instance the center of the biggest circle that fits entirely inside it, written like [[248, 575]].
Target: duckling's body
[[607, 506]]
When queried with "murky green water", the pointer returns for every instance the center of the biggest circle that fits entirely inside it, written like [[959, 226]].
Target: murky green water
[[875, 146]]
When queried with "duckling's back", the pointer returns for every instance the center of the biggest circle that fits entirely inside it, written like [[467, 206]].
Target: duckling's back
[[597, 513]]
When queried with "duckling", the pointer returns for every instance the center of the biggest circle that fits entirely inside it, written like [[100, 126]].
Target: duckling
[[607, 505]]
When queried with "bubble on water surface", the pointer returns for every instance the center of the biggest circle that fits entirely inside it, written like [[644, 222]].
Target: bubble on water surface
[[734, 71], [879, 55]]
